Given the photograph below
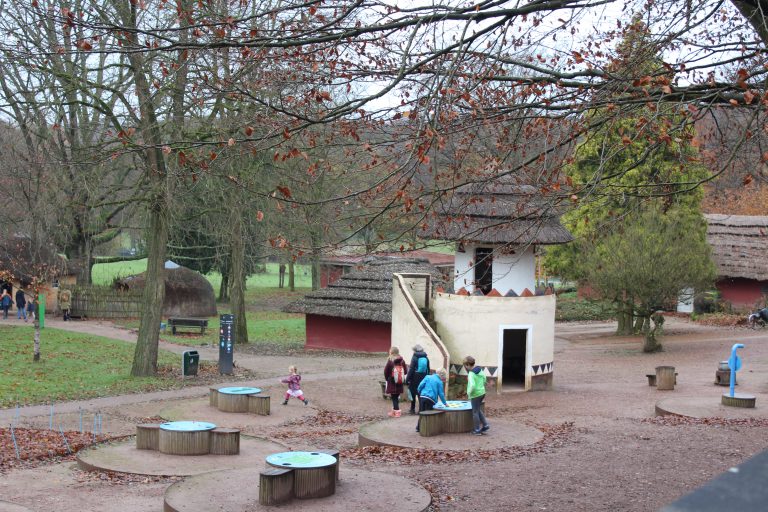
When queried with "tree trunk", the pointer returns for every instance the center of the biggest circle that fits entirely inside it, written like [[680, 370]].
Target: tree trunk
[[36, 356], [224, 287], [237, 294], [291, 270], [145, 355], [624, 314], [650, 343]]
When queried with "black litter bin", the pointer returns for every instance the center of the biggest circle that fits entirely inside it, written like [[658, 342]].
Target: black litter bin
[[190, 360]]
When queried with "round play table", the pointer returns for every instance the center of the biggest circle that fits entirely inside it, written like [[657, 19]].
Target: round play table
[[232, 399], [314, 473], [458, 416], [185, 437]]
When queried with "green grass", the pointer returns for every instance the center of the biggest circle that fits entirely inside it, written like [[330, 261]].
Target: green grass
[[273, 327], [106, 273], [72, 366]]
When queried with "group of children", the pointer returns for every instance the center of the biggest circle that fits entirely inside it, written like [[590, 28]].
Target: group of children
[[429, 388]]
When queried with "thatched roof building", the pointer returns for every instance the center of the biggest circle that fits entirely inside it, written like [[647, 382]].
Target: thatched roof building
[[365, 294], [187, 293], [739, 245], [495, 212]]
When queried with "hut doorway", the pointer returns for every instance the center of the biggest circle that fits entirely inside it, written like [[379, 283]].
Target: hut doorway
[[514, 356], [483, 269]]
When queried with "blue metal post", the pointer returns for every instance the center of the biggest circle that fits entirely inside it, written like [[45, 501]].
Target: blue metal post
[[733, 364]]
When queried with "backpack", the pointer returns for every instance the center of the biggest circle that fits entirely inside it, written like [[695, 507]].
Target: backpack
[[398, 374], [422, 365]]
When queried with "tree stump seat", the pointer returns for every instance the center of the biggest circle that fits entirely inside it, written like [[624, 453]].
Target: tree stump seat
[[213, 397], [148, 436], [275, 486], [336, 455], [232, 403], [666, 378], [259, 404], [431, 423], [723, 378], [224, 441], [652, 378]]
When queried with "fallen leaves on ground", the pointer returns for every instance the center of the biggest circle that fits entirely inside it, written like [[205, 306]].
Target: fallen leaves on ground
[[676, 421], [37, 446], [345, 424], [555, 436], [112, 478]]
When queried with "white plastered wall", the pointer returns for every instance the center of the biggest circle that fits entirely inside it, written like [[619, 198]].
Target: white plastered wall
[[510, 271], [469, 325]]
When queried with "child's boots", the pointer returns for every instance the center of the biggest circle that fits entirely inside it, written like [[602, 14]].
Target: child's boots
[[285, 402], [391, 413], [397, 413]]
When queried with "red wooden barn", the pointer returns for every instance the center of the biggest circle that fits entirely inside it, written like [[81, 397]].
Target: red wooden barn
[[355, 312], [740, 251]]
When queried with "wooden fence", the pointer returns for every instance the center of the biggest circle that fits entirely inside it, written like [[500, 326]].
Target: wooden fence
[[103, 302]]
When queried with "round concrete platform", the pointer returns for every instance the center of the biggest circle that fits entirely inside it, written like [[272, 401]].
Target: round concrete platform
[[401, 432], [123, 457], [7, 506], [200, 408], [707, 407], [238, 491]]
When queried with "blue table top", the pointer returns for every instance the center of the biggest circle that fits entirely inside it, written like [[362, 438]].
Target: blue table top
[[240, 391], [455, 405], [301, 460], [187, 426]]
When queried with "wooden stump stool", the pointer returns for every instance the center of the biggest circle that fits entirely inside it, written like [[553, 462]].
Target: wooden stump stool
[[213, 397], [431, 423], [232, 403], [147, 436], [224, 441], [275, 486], [314, 483], [665, 378], [723, 378], [259, 404]]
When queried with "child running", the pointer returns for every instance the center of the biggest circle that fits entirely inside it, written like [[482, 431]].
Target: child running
[[294, 386]]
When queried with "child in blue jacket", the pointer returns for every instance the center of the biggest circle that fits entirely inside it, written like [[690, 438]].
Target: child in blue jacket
[[431, 389]]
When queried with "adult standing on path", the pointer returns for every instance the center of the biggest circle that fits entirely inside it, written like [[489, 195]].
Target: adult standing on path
[[418, 369], [65, 302], [21, 305]]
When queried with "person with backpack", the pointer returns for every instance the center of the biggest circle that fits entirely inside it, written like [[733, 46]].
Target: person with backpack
[[395, 372], [418, 369], [476, 395]]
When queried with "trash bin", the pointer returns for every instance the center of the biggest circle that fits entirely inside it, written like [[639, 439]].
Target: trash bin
[[189, 363]]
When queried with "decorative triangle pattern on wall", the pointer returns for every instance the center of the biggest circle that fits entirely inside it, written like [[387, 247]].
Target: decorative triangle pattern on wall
[[540, 369]]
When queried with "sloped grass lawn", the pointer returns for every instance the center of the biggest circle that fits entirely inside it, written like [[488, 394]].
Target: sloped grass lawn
[[72, 366]]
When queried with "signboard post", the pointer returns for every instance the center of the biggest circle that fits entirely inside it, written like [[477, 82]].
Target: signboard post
[[226, 344]]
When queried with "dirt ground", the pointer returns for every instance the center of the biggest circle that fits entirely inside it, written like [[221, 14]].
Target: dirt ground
[[605, 451]]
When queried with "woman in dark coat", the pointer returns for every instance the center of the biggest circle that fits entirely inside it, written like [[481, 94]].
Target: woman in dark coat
[[395, 372], [418, 369]]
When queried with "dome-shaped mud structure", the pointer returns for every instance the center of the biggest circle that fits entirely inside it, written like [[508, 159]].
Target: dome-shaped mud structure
[[187, 293]]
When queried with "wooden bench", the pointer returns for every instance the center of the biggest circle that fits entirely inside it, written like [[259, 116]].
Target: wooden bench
[[275, 486], [192, 323]]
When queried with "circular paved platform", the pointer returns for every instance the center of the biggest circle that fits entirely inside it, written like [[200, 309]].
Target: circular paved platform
[[200, 408], [7, 506], [709, 406], [123, 457], [238, 491], [401, 432]]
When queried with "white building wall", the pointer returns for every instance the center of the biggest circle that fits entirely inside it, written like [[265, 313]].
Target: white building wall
[[510, 271]]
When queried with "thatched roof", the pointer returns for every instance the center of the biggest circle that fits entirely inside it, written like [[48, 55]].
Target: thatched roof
[[739, 245], [498, 212], [365, 294], [187, 293]]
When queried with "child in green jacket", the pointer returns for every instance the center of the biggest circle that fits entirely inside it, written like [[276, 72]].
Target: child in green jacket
[[476, 395]]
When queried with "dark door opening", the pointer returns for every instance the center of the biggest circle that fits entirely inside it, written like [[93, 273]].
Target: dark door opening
[[484, 269], [513, 357]]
